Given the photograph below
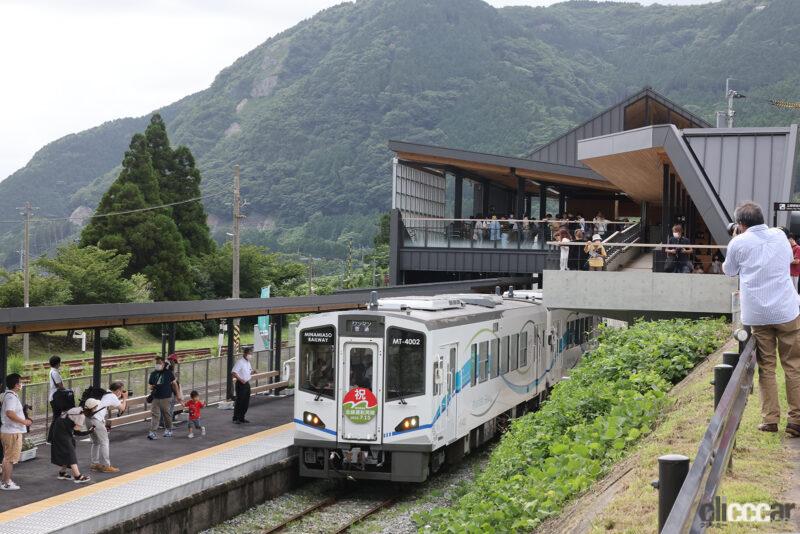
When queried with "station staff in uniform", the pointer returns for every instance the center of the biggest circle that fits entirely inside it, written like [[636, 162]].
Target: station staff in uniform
[[241, 373], [760, 255]]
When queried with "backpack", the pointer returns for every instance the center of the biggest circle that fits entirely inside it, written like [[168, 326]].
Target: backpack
[[63, 399], [92, 393]]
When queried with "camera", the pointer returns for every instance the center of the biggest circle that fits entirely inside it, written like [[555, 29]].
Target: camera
[[733, 229]]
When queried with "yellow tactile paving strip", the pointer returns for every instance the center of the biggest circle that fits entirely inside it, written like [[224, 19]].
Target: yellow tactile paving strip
[[92, 489]]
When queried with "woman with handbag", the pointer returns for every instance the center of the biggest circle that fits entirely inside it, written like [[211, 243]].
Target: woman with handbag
[[597, 253]]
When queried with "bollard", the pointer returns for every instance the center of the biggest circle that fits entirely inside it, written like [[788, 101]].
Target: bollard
[[511, 292], [722, 375], [730, 358], [498, 291], [672, 471]]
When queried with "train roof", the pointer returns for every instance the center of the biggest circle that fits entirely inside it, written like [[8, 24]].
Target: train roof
[[440, 311]]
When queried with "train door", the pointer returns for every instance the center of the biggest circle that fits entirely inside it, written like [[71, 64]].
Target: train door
[[359, 390], [451, 384]]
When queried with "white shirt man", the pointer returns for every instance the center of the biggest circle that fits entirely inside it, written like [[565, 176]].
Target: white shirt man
[[55, 381], [760, 256], [14, 423], [242, 372]]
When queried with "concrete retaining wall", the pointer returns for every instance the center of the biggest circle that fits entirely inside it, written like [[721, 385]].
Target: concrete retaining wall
[[630, 294], [214, 505]]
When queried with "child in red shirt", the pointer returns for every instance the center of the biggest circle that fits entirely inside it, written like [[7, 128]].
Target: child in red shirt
[[194, 405]]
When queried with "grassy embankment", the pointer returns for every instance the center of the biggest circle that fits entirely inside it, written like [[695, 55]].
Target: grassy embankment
[[761, 464]]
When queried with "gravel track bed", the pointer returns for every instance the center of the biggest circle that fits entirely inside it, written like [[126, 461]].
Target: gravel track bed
[[441, 490]]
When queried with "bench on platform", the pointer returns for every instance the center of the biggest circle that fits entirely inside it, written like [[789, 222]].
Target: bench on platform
[[144, 415]]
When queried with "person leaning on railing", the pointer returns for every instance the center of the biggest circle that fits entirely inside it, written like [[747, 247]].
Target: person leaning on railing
[[769, 305], [597, 253]]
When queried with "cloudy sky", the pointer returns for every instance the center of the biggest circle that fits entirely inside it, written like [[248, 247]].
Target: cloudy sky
[[68, 65]]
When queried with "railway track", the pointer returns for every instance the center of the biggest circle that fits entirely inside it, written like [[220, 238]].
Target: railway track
[[312, 518]]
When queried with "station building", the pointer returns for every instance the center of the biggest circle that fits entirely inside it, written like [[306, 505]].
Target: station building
[[646, 163]]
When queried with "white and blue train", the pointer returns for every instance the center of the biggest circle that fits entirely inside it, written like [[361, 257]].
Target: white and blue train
[[397, 391]]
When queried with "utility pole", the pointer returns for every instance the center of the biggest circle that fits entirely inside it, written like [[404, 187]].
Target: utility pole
[[236, 216], [27, 212], [310, 276], [235, 253], [731, 95]]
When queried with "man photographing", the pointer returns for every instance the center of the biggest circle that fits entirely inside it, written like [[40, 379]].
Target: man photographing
[[761, 256]]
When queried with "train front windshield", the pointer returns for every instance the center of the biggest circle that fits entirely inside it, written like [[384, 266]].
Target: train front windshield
[[317, 360], [405, 364]]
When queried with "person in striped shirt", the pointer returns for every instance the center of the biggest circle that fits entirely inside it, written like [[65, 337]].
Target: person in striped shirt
[[759, 256]]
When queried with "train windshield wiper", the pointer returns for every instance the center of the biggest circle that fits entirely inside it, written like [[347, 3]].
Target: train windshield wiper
[[401, 395]]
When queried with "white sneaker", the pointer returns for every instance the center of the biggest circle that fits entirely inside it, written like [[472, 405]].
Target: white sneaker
[[191, 436], [202, 431], [10, 486]]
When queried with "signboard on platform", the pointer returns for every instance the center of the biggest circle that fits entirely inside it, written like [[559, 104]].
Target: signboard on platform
[[262, 328], [787, 206]]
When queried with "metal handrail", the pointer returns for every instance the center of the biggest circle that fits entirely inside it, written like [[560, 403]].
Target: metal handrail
[[715, 450], [627, 235]]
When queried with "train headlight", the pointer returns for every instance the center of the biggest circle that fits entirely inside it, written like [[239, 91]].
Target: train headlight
[[312, 419], [409, 423]]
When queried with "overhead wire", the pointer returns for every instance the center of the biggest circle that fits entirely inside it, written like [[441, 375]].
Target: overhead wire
[[126, 212]]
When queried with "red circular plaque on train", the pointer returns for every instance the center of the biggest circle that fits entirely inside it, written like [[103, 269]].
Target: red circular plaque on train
[[360, 405]]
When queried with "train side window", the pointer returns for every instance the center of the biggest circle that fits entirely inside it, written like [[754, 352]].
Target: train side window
[[513, 353], [451, 375], [494, 370], [504, 356], [494, 348], [483, 357], [475, 363], [437, 386], [317, 365], [523, 349]]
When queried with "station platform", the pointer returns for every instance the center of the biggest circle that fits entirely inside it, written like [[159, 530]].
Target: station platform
[[155, 476]]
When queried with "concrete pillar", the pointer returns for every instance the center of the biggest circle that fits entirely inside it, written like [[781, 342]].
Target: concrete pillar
[[459, 194], [278, 336], [395, 240], [520, 209], [229, 358], [172, 327], [485, 197], [665, 203], [97, 362]]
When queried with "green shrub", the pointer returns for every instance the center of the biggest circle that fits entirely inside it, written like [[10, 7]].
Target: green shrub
[[183, 331], [117, 339], [16, 364], [611, 399]]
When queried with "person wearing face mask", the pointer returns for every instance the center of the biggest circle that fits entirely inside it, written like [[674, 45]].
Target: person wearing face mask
[[241, 373], [14, 427], [162, 386], [678, 257]]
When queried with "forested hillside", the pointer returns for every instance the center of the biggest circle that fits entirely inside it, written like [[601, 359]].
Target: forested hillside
[[308, 113]]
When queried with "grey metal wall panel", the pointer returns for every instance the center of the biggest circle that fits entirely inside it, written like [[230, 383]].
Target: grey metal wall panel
[[745, 164]]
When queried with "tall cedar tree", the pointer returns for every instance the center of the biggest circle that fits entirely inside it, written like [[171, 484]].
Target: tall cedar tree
[[179, 180], [152, 238]]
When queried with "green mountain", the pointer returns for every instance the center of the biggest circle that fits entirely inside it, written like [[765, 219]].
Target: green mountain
[[307, 114]]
